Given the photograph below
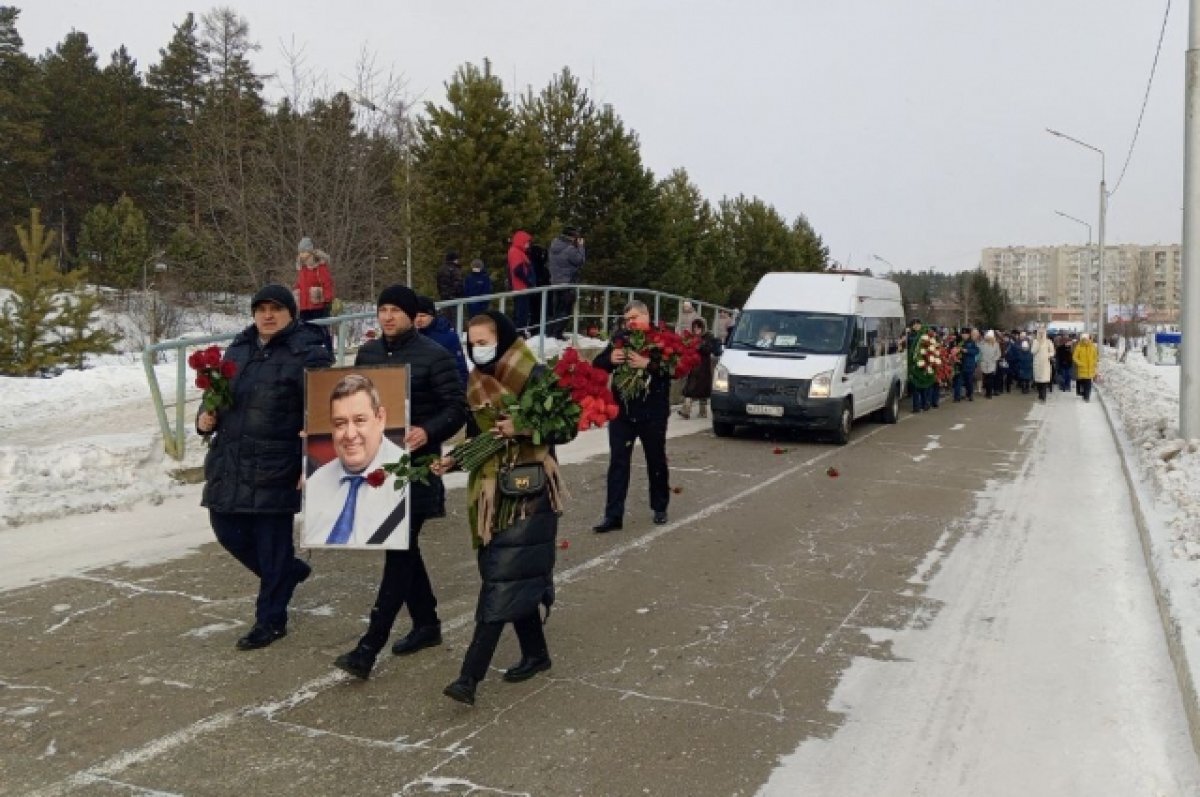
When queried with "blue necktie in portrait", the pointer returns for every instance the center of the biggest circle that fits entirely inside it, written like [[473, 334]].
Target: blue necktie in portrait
[[345, 522]]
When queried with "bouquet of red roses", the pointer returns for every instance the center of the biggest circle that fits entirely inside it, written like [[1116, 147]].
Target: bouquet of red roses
[[571, 397], [213, 377], [676, 357]]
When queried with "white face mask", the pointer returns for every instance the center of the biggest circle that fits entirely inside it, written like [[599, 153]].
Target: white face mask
[[483, 355]]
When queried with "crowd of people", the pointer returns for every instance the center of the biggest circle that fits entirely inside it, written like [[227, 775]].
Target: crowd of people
[[967, 362]]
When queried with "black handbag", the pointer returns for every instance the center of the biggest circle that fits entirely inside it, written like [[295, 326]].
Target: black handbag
[[523, 481]]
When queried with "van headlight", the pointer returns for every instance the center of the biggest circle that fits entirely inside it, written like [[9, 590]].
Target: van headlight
[[820, 385], [720, 379]]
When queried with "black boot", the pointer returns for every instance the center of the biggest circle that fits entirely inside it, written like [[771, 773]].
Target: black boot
[[462, 690], [419, 638], [528, 667], [357, 662], [260, 636]]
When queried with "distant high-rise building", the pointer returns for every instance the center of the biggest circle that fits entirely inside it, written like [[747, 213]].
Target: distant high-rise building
[[1051, 278]]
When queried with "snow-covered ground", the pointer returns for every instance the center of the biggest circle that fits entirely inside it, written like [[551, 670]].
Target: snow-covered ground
[[1000, 695]]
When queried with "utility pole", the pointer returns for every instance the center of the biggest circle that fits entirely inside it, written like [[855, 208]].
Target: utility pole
[[1189, 322]]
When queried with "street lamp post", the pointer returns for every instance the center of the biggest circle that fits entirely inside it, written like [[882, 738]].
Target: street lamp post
[[1087, 272], [886, 262], [1189, 320], [1103, 216]]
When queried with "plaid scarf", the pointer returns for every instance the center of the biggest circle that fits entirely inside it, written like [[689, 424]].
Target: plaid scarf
[[487, 510]]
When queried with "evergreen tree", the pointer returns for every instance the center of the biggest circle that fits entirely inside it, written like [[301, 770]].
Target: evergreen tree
[[115, 242], [79, 144], [133, 114], [599, 182], [22, 155], [990, 300], [48, 318], [480, 170], [178, 80], [683, 251]]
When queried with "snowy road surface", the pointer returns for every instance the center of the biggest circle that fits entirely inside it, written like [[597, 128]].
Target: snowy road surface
[[1046, 674], [932, 620]]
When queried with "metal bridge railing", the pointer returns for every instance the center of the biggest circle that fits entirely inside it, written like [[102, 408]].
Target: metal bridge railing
[[601, 303]]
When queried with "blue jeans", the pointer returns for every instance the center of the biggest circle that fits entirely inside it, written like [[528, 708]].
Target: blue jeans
[[934, 394]]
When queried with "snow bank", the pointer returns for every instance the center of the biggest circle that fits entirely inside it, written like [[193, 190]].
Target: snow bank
[[1146, 400]]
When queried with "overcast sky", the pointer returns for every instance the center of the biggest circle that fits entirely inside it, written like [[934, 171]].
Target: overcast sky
[[908, 129]]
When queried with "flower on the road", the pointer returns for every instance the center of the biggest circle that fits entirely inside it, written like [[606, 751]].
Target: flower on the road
[[831, 472]]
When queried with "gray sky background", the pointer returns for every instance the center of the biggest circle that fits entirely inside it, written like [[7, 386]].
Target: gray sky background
[[913, 130]]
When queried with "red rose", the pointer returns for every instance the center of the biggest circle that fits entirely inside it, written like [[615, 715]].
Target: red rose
[[612, 411], [228, 369], [377, 477], [832, 472], [196, 360], [203, 382], [212, 356], [583, 424]]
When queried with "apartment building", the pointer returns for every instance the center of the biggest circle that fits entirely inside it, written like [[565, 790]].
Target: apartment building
[[1051, 278]]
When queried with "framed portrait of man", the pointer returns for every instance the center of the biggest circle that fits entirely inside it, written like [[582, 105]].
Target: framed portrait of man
[[355, 420]]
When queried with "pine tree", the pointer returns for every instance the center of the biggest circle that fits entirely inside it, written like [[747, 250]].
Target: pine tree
[[682, 251], [133, 115], [599, 182], [115, 241], [480, 171], [22, 156], [48, 318]]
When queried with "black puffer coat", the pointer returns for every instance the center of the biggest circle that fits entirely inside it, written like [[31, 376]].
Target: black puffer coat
[[253, 464], [438, 401], [517, 566]]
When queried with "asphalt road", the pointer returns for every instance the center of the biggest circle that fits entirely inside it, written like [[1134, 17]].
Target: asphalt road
[[688, 658]]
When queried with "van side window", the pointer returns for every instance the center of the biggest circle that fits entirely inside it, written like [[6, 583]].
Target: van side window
[[874, 342]]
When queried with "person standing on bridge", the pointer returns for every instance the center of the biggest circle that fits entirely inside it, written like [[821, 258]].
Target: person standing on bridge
[[643, 418], [437, 410], [567, 256], [253, 466]]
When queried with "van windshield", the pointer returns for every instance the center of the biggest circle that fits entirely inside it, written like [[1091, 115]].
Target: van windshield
[[793, 331]]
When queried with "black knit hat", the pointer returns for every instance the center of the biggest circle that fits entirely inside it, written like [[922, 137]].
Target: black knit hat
[[426, 305], [401, 296], [277, 294]]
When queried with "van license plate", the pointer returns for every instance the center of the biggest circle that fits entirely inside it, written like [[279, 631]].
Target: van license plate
[[764, 409]]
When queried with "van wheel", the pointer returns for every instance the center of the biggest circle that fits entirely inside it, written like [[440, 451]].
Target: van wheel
[[841, 435], [891, 411], [722, 429]]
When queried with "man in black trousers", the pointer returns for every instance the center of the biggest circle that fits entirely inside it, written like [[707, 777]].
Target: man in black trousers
[[643, 418], [437, 410]]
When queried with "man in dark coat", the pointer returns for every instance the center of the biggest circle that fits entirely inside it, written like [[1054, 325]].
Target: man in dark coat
[[450, 284], [252, 469], [643, 418], [437, 410], [567, 256]]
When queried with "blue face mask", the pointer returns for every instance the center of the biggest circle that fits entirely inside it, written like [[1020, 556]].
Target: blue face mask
[[483, 355]]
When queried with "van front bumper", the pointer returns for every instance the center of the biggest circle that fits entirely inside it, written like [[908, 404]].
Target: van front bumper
[[805, 413]]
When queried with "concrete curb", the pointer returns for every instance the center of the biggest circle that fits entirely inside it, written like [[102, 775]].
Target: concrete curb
[[1172, 628]]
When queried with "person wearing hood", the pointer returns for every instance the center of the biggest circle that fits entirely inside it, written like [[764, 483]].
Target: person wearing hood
[[313, 289], [989, 361], [1022, 364], [477, 283], [436, 328], [567, 256], [1086, 359], [253, 466], [643, 418], [514, 535], [1064, 358], [437, 410], [521, 277], [1043, 353]]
